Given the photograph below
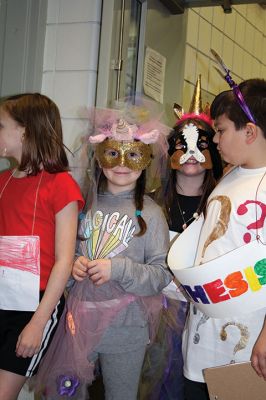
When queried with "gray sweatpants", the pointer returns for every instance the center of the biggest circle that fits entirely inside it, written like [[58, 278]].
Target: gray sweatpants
[[121, 373]]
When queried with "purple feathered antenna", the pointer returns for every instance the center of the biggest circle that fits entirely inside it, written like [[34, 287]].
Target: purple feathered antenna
[[234, 87]]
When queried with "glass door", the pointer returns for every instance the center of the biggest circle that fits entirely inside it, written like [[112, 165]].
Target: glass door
[[132, 31], [126, 50]]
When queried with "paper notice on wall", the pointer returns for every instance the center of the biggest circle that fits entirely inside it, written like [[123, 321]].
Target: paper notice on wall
[[154, 74]]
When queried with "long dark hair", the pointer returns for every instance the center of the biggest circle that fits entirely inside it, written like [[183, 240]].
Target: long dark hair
[[209, 183], [42, 144], [168, 192]]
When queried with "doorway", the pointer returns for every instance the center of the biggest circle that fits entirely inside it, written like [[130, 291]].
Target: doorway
[[130, 28]]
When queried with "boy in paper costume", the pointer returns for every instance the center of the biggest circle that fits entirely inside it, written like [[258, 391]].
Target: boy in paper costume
[[236, 202]]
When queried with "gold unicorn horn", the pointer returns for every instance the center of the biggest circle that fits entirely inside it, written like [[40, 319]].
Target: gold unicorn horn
[[196, 103]]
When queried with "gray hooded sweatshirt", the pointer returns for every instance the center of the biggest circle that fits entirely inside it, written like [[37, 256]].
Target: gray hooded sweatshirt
[[138, 264]]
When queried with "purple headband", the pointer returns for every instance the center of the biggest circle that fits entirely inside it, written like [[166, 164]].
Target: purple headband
[[234, 87]]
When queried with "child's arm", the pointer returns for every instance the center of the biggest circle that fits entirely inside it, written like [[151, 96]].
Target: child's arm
[[144, 279], [258, 356], [65, 235], [152, 276]]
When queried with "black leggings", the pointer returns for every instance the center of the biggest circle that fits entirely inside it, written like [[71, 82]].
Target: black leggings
[[196, 390]]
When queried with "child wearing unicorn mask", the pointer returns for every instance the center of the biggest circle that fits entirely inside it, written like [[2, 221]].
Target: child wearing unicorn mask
[[195, 163], [120, 268], [195, 168]]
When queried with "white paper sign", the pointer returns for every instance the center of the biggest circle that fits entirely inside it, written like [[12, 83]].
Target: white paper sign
[[232, 284], [19, 272], [154, 74]]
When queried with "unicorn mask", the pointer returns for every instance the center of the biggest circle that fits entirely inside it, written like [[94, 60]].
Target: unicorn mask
[[124, 145], [192, 135]]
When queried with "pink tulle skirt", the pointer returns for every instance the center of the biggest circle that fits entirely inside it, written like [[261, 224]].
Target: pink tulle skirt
[[66, 370]]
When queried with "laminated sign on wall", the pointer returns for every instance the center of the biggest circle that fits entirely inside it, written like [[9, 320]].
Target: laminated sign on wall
[[154, 74]]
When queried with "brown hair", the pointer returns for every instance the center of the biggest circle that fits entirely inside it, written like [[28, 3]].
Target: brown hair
[[169, 194], [168, 191], [139, 197], [254, 93], [138, 194], [42, 146]]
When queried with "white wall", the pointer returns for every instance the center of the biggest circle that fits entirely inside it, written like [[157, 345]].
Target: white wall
[[239, 38], [71, 61]]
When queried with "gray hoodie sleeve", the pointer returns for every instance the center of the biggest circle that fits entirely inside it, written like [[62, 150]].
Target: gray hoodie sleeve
[[150, 277]]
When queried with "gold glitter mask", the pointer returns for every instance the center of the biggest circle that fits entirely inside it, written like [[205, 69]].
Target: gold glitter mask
[[134, 155]]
